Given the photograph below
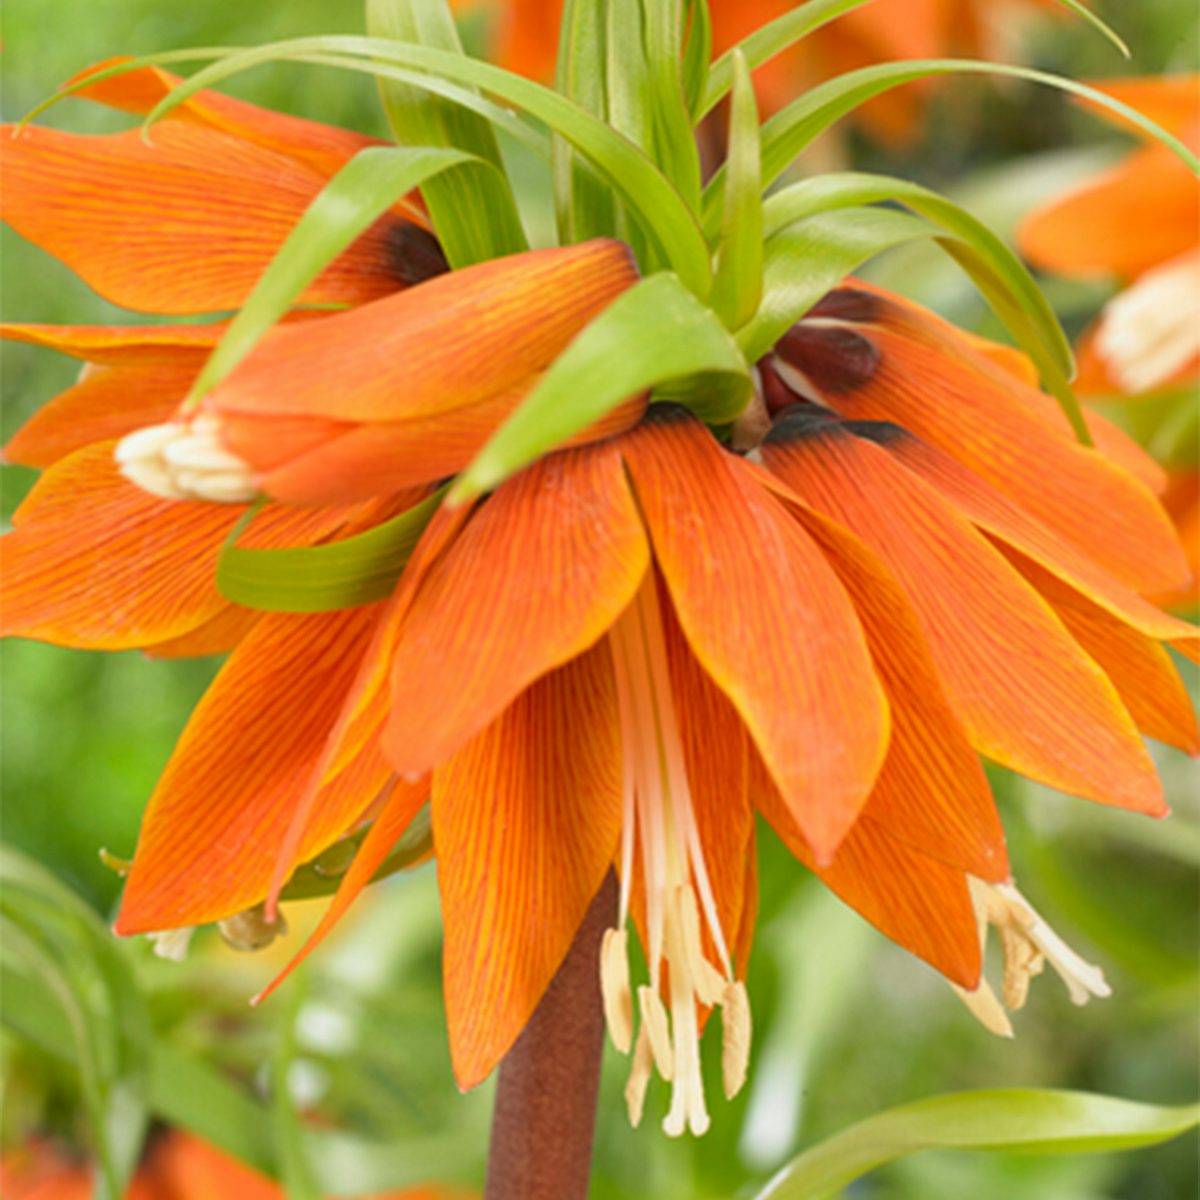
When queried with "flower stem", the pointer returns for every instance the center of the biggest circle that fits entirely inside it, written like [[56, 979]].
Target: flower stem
[[546, 1098]]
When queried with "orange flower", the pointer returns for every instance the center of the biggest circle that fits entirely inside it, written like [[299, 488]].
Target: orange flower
[[1137, 222], [525, 39], [208, 200]]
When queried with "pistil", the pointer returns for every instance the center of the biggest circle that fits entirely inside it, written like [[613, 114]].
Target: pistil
[[661, 838]]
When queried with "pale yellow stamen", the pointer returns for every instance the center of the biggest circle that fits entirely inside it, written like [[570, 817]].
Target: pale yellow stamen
[[688, 962], [172, 943], [1028, 943], [614, 987], [185, 460]]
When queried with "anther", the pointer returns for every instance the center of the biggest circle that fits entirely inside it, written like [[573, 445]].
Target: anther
[[614, 988], [657, 1030], [735, 1037]]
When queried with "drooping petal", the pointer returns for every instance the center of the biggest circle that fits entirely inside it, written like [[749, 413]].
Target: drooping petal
[[404, 801], [456, 341], [538, 575], [891, 361], [1140, 669], [525, 819], [120, 345], [767, 619], [200, 216], [917, 901], [1022, 688], [323, 147], [991, 510], [106, 404], [217, 636], [1133, 216], [932, 794], [207, 844], [97, 563]]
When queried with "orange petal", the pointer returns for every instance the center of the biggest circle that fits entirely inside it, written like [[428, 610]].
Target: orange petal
[[1168, 100], [1141, 670], [121, 345], [95, 562], [918, 902], [932, 793], [525, 819], [892, 361], [766, 617], [716, 755], [323, 147], [218, 636], [992, 511], [200, 215], [1140, 213], [207, 844], [456, 341], [538, 575], [1024, 691], [106, 404], [404, 801]]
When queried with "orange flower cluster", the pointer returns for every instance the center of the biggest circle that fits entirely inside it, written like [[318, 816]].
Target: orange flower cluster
[[625, 651]]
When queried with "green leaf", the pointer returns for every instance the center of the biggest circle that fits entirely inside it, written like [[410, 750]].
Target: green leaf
[[57, 943], [767, 41], [475, 214], [644, 189], [795, 126], [811, 257], [738, 286], [366, 187], [998, 273], [697, 53], [1017, 1120], [356, 570], [655, 333], [774, 37], [296, 1168], [583, 205], [674, 141]]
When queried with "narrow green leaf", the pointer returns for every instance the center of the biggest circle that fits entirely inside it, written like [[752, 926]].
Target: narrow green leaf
[[737, 288], [1017, 1120], [475, 215], [655, 333], [354, 571], [697, 53], [808, 259], [583, 205], [795, 126], [998, 273], [674, 143], [767, 41], [644, 189], [367, 186], [776, 36]]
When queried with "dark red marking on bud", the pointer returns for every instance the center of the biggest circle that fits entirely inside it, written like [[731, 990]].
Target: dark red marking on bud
[[776, 392], [414, 254], [849, 304], [882, 433], [835, 360], [803, 422]]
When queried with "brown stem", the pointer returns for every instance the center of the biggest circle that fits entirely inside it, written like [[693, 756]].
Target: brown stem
[[546, 1098]]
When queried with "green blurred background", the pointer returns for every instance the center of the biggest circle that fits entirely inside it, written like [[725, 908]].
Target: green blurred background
[[846, 1023]]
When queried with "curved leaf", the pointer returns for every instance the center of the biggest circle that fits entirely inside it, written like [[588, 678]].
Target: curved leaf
[[644, 189], [1018, 1120], [655, 333], [366, 187], [356, 570]]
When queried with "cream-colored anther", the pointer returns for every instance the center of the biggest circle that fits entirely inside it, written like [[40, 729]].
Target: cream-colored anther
[[986, 1008], [172, 943], [735, 1037], [1151, 331], [657, 1030], [707, 980], [614, 988], [639, 1077], [185, 460]]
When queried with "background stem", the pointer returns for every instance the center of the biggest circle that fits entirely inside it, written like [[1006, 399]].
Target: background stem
[[546, 1097]]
